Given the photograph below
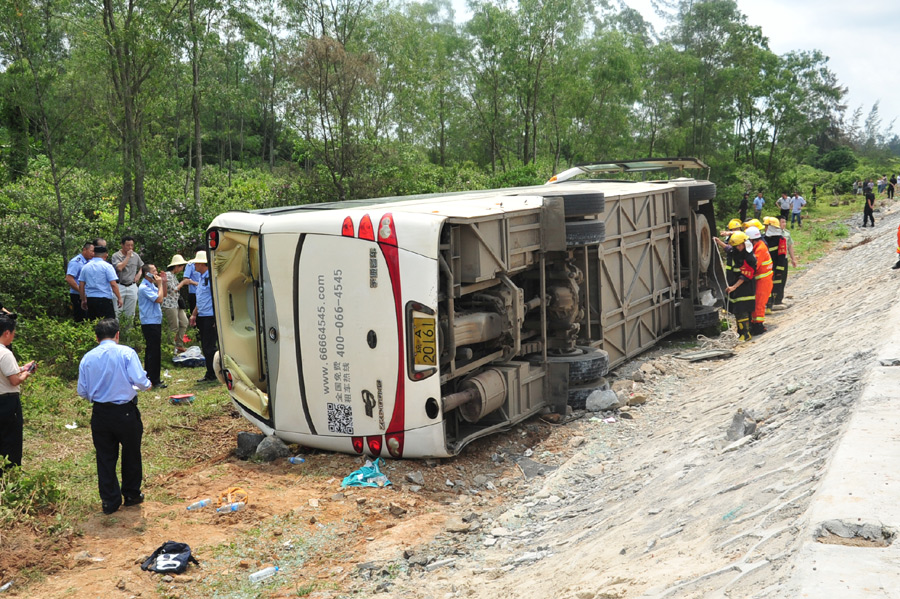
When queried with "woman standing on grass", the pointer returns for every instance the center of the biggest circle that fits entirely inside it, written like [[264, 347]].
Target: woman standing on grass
[[172, 303]]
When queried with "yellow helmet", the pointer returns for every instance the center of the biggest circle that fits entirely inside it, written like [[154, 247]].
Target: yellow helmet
[[753, 222], [735, 224], [771, 221], [737, 238]]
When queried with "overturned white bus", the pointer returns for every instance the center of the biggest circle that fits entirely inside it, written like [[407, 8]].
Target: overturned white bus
[[409, 326]]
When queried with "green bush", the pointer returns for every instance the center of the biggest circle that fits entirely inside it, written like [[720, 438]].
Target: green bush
[[838, 160], [24, 495], [57, 345], [518, 176]]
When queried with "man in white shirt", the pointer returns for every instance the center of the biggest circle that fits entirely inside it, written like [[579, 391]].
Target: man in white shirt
[[797, 204], [11, 376]]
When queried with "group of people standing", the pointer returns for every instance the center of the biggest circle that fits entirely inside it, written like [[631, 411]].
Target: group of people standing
[[884, 184], [110, 374], [756, 269], [126, 284], [788, 206]]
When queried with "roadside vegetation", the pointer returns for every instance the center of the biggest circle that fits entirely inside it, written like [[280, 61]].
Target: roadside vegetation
[[266, 103]]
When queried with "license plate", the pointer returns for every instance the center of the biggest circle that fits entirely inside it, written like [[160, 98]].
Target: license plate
[[424, 342]]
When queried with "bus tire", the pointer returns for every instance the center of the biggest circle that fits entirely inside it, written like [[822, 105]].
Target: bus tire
[[706, 318], [578, 394], [702, 191], [585, 364], [585, 232], [583, 204], [704, 241]]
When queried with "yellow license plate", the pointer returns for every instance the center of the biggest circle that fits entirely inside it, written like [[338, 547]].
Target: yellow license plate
[[424, 342]]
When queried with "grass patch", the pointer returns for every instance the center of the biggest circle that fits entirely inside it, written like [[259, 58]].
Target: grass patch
[[173, 436], [279, 540]]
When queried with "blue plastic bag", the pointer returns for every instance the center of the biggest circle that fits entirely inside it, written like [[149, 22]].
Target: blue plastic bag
[[369, 475]]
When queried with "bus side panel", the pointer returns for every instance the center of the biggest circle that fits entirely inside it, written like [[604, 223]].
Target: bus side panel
[[636, 277]]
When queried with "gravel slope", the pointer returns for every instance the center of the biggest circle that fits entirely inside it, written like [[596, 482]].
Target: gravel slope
[[662, 504]]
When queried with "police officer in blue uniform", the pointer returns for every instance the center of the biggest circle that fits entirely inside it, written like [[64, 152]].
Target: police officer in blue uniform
[[98, 284], [73, 270], [204, 318], [108, 376]]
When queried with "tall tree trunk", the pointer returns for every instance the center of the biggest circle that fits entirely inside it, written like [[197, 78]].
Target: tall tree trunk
[[126, 82], [442, 142], [126, 199], [139, 173], [195, 103], [187, 171]]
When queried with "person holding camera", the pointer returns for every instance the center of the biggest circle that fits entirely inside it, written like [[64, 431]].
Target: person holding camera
[[11, 376], [151, 294]]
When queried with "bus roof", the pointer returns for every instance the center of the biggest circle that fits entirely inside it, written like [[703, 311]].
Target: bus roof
[[461, 202]]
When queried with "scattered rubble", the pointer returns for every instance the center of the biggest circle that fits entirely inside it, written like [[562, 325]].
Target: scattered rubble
[[270, 449], [247, 444]]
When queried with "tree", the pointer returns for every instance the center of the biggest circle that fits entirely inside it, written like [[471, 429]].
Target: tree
[[32, 39], [137, 39]]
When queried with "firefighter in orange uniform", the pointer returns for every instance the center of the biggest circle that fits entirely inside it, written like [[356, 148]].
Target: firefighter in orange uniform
[[763, 280], [777, 245], [740, 279], [896, 266]]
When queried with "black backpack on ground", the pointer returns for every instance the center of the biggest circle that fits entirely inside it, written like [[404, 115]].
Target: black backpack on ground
[[169, 558]]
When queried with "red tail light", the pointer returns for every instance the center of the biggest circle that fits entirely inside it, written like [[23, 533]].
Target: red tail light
[[347, 227], [395, 444], [386, 231], [366, 230], [357, 444], [213, 240], [229, 381], [374, 444]]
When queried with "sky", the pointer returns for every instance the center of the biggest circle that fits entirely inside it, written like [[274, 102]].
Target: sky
[[860, 39]]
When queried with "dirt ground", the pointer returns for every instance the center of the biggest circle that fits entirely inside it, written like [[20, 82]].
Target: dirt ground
[[652, 501], [291, 504]]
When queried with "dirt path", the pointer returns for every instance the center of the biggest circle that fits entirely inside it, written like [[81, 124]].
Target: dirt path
[[655, 504]]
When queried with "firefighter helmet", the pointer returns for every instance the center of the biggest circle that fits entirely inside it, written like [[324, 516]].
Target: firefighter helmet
[[735, 224], [737, 238], [753, 222], [771, 221]]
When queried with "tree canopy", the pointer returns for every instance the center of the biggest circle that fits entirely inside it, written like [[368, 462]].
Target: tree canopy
[[125, 115]]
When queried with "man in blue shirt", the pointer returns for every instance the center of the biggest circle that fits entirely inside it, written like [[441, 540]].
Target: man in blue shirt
[[204, 318], [72, 272], [797, 204], [108, 376], [97, 284], [151, 294], [758, 203], [190, 273]]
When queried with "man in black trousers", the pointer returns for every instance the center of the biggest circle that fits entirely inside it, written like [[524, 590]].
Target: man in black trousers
[[107, 376]]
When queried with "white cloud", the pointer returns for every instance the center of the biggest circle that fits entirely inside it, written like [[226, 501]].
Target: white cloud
[[858, 38]]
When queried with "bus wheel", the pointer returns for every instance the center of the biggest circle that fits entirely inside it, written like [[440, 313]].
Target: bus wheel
[[578, 394], [704, 241], [702, 191], [585, 232], [583, 204], [585, 364], [706, 319]]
